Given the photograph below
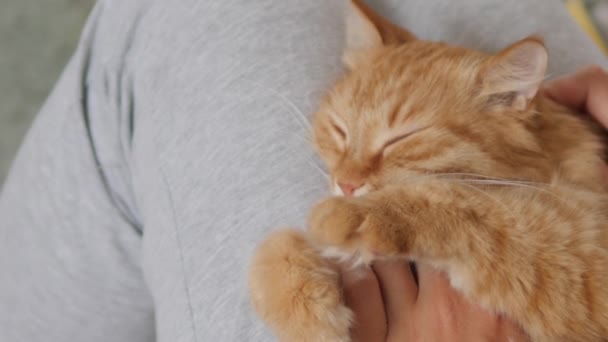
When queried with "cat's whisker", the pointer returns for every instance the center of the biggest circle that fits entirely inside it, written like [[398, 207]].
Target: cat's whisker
[[504, 206], [318, 168], [300, 117], [481, 179], [306, 141], [485, 180], [418, 177], [310, 161], [486, 177], [506, 183], [463, 183], [325, 174]]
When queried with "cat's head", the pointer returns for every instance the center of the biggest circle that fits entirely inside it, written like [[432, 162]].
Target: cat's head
[[409, 107]]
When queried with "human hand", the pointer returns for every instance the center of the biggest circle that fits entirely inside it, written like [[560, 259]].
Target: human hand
[[585, 91], [390, 306]]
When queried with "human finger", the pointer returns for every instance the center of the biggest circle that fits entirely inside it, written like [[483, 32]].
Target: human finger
[[399, 288], [363, 296], [586, 90]]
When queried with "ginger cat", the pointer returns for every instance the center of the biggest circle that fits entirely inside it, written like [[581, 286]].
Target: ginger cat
[[450, 157]]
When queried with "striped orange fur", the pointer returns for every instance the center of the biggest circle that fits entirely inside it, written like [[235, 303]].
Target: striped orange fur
[[460, 163]]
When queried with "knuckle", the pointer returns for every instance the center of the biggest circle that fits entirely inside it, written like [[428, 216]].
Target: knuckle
[[595, 71]]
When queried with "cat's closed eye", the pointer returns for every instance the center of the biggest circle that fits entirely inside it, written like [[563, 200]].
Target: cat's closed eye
[[397, 139], [341, 132]]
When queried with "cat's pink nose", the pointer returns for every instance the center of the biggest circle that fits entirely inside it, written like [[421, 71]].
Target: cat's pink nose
[[348, 189]]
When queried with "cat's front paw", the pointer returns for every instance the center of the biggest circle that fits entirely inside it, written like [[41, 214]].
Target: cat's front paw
[[335, 220], [354, 227]]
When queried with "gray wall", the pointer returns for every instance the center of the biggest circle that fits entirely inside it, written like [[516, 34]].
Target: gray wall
[[37, 38]]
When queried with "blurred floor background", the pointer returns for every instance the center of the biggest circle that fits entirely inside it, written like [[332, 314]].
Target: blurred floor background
[[38, 36]]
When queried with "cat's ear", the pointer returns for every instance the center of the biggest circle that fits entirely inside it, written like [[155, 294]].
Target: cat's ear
[[513, 77], [366, 30]]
